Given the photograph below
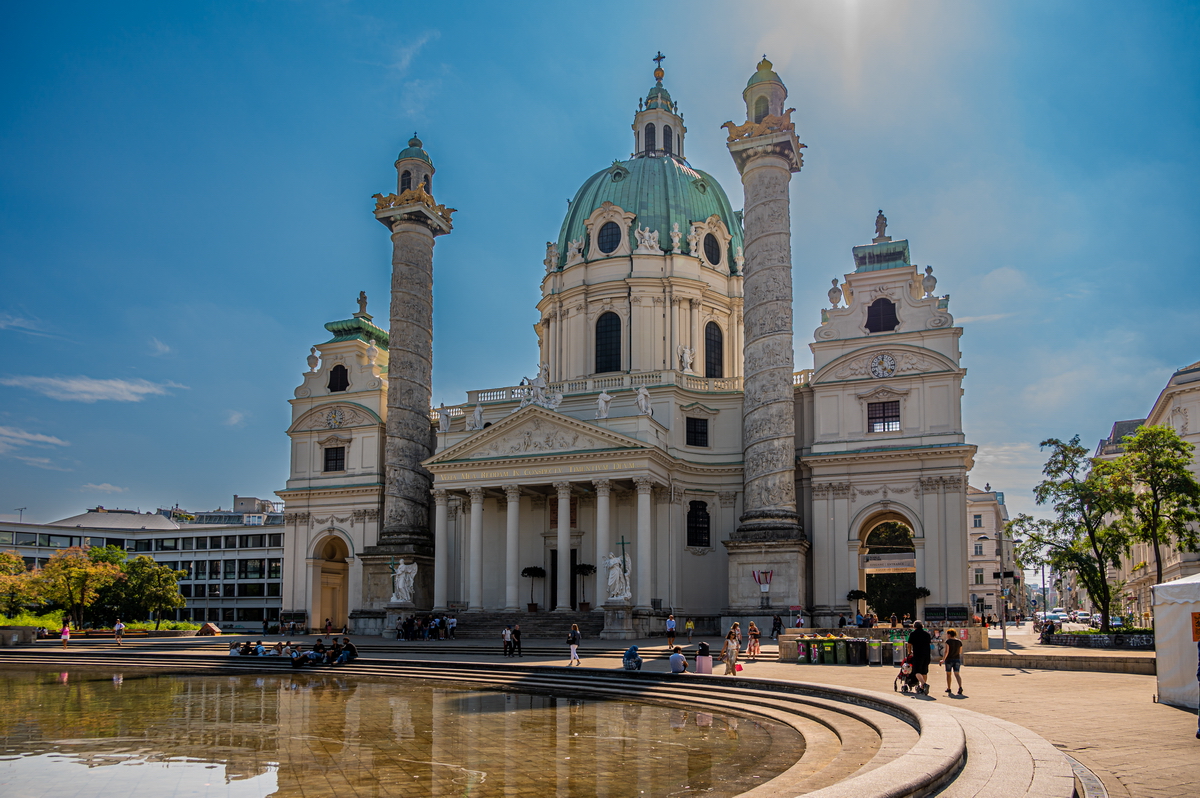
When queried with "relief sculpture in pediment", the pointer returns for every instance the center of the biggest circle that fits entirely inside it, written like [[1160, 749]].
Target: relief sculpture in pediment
[[537, 436]]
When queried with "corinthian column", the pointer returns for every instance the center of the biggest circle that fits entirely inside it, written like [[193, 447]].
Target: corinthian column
[[767, 153]]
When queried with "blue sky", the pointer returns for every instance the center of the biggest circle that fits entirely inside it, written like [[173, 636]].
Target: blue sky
[[185, 200]]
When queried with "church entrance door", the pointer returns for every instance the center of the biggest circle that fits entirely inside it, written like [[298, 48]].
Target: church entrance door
[[891, 589], [554, 579], [330, 592]]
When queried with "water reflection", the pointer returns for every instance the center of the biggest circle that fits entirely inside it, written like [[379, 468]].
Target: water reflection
[[316, 734]]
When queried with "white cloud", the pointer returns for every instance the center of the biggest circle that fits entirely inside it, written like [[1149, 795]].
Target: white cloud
[[90, 389], [10, 322], [40, 462], [11, 438], [978, 319], [159, 347], [103, 487], [234, 418]]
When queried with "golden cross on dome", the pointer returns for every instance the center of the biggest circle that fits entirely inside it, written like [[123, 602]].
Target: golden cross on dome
[[658, 59]]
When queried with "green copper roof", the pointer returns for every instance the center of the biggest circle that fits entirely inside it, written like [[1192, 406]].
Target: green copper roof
[[662, 191], [764, 73], [414, 151], [658, 97], [357, 327], [877, 257]]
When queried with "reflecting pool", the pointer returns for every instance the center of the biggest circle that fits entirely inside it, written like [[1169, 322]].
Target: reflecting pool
[[87, 733]]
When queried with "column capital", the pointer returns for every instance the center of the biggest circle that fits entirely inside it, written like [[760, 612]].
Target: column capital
[[476, 495], [644, 485], [563, 489], [440, 497], [603, 487], [512, 492]]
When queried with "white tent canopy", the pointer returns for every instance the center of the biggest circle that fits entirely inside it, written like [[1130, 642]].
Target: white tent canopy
[[1176, 653]]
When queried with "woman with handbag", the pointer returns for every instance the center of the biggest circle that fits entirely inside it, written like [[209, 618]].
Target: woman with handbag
[[729, 653], [753, 648]]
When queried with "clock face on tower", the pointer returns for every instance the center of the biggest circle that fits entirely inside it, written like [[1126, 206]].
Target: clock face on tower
[[883, 365]]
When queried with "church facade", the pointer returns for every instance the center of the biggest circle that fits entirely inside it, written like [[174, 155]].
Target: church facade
[[666, 438]]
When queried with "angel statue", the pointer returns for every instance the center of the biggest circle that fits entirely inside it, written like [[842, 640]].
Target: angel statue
[[475, 421], [602, 403], [618, 578], [551, 261], [686, 357], [403, 579]]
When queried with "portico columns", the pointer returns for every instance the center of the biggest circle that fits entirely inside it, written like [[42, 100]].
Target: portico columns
[[512, 549], [475, 580], [642, 544], [603, 489], [563, 600], [441, 562]]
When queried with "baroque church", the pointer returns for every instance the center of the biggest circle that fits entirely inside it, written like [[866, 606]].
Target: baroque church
[[667, 441]]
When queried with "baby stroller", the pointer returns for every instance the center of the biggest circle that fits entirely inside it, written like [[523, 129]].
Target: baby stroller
[[906, 681]]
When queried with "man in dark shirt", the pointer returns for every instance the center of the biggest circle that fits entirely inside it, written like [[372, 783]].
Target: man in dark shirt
[[918, 650], [952, 661]]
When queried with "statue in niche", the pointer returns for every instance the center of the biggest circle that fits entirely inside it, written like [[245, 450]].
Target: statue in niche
[[881, 227], [602, 403], [835, 294], [313, 360], [686, 356], [403, 579], [475, 421], [551, 260], [618, 578], [443, 418], [643, 401], [928, 282], [675, 236]]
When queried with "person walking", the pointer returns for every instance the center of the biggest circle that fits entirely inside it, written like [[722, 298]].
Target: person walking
[[842, 621], [952, 660], [573, 640], [452, 624], [670, 631], [729, 653], [754, 647], [776, 627], [65, 634], [689, 626], [506, 635], [516, 640], [736, 629], [328, 627], [118, 631], [918, 651]]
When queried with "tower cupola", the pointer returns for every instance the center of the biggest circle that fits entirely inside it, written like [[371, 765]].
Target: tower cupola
[[657, 127], [764, 93], [414, 167]]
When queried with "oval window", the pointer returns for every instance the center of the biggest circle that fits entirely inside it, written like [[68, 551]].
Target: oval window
[[609, 238], [712, 249]]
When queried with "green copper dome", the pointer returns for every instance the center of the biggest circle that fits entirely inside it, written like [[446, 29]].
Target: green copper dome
[[765, 73], [414, 151], [662, 191]]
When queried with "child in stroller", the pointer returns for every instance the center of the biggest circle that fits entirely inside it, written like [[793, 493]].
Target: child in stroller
[[906, 681]]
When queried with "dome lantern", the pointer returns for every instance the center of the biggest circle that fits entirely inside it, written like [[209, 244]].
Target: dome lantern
[[657, 126], [414, 167]]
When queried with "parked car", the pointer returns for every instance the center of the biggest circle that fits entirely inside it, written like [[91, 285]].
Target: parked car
[[1083, 617]]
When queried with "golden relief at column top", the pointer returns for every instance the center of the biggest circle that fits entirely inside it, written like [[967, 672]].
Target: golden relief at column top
[[769, 124], [419, 195]]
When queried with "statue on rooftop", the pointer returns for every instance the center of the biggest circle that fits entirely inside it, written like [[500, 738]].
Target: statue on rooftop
[[602, 403], [362, 303], [880, 227]]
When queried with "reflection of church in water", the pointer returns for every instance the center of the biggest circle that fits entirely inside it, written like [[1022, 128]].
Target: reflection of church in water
[[667, 422]]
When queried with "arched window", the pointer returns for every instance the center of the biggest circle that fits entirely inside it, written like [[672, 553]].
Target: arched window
[[609, 238], [405, 180], [698, 525], [668, 143], [761, 109], [881, 316], [339, 379], [608, 343], [427, 182], [714, 350], [650, 139]]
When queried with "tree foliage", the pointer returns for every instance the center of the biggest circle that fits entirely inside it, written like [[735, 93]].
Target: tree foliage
[[154, 587], [1082, 536], [73, 579], [1157, 492], [18, 588]]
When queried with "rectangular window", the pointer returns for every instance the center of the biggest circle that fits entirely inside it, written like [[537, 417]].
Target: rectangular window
[[185, 591], [43, 540], [141, 545], [214, 591], [275, 540], [250, 614], [186, 567], [250, 569], [883, 416], [25, 538], [697, 432], [335, 458], [252, 590], [273, 588], [214, 569], [201, 570], [187, 544], [254, 520], [201, 543], [231, 541], [227, 615], [215, 542], [979, 576], [231, 569], [5, 537], [275, 569], [166, 544], [250, 541], [978, 549], [977, 521], [60, 541], [172, 565], [229, 590]]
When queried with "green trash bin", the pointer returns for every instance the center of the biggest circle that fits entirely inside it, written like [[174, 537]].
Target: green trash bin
[[828, 653], [843, 657], [801, 652], [874, 648]]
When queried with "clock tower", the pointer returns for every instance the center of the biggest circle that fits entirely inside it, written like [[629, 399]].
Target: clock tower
[[884, 458]]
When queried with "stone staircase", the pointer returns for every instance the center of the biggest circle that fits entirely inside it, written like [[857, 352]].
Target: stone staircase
[[534, 625]]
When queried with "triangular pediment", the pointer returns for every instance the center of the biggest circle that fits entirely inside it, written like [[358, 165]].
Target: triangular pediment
[[531, 432]]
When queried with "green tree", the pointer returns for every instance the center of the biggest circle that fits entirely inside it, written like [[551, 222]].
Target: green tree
[[155, 587], [73, 579], [18, 589], [1160, 496], [1081, 536]]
